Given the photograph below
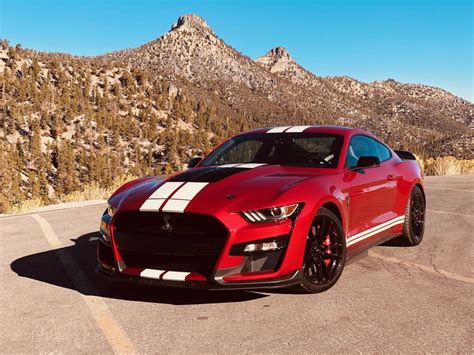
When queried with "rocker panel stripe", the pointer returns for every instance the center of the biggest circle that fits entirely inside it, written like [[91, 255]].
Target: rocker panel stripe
[[375, 230]]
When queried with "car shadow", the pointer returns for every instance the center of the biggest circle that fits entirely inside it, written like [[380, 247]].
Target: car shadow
[[46, 267]]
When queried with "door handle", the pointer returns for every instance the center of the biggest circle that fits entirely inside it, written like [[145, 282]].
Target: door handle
[[390, 177]]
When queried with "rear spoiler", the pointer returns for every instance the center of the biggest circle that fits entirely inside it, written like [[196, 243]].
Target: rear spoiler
[[404, 155]]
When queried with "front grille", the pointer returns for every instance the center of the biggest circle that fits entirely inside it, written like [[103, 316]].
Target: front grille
[[170, 241]]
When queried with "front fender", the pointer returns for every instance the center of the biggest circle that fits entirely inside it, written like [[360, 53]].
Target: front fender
[[319, 198]]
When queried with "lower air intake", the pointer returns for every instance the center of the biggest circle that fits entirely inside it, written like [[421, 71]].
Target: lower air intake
[[268, 261]]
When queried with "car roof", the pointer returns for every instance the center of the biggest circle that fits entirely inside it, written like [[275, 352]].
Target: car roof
[[330, 129]]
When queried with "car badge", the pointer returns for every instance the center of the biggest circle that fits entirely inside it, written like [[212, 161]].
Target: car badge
[[167, 226]]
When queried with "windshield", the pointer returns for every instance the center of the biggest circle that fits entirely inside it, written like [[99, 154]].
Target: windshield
[[296, 149]]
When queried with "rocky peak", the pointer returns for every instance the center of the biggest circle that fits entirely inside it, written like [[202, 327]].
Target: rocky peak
[[276, 60], [278, 53], [190, 22]]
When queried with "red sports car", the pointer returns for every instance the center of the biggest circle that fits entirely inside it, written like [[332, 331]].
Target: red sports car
[[268, 208]]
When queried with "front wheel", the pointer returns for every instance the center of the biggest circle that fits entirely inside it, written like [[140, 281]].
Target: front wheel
[[325, 253]]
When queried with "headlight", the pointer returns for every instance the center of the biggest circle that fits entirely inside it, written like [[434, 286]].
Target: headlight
[[111, 210], [272, 214]]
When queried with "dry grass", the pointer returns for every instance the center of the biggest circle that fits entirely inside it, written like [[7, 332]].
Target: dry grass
[[447, 166], [26, 206], [90, 191], [93, 191]]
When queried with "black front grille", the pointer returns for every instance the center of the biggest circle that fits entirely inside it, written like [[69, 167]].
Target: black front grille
[[170, 241]]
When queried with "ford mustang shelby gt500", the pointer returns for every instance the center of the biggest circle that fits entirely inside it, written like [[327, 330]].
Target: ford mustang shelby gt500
[[268, 208]]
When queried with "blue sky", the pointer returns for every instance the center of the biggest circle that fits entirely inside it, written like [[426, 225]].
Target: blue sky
[[418, 41]]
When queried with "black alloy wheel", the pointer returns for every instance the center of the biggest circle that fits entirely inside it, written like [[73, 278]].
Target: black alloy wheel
[[414, 226], [325, 252]]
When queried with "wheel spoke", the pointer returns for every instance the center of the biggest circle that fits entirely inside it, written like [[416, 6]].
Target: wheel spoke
[[324, 229], [320, 272], [325, 270], [332, 256]]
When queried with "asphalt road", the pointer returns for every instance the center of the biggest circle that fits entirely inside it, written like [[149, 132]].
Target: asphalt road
[[395, 299]]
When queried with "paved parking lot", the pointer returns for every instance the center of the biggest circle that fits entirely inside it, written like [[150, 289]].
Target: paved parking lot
[[406, 299]]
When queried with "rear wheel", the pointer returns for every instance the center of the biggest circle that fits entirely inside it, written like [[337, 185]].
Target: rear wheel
[[325, 253], [414, 226]]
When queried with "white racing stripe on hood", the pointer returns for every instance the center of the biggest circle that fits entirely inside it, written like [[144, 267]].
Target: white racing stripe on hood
[[180, 200], [152, 205], [165, 190], [188, 191], [175, 206], [156, 199], [181, 193]]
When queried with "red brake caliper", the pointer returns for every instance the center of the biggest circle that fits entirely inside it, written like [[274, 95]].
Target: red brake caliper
[[327, 243]]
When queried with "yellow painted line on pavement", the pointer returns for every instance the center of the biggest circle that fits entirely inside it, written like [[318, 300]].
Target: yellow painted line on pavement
[[453, 213], [426, 268], [113, 332]]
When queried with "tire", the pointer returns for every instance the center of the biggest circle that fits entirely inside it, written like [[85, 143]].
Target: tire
[[325, 253], [414, 226]]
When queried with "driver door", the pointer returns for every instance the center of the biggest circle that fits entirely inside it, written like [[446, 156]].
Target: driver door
[[371, 193]]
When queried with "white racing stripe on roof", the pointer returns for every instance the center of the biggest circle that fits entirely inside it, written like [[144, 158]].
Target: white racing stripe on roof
[[227, 166], [278, 129], [249, 165], [296, 129]]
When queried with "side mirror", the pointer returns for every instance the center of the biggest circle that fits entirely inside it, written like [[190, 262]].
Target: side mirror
[[194, 161], [365, 162]]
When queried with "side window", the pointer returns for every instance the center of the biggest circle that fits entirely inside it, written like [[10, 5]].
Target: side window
[[360, 146], [384, 152]]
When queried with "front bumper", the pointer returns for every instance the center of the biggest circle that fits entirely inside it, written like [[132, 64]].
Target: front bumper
[[294, 278], [230, 271]]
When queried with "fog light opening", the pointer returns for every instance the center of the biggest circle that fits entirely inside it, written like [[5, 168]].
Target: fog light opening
[[263, 247]]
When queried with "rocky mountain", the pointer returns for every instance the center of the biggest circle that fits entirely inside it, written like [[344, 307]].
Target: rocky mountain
[[274, 84], [67, 120]]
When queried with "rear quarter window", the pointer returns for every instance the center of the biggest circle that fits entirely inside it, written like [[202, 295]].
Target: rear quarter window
[[383, 152]]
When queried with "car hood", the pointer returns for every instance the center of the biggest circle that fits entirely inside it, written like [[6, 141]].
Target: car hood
[[217, 188]]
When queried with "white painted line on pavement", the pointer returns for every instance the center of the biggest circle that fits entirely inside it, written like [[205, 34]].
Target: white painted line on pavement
[[453, 213], [426, 268], [104, 319]]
